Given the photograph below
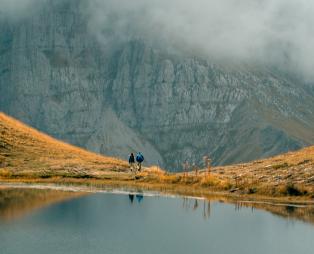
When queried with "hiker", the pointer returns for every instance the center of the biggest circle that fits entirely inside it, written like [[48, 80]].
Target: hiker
[[131, 161], [139, 160]]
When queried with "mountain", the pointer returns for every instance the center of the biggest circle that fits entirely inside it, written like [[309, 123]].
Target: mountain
[[61, 79]]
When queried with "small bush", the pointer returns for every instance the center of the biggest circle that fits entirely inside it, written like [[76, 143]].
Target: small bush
[[292, 190], [83, 176], [278, 166], [5, 173], [191, 180], [252, 190], [304, 162], [209, 181], [227, 186], [173, 179], [45, 176]]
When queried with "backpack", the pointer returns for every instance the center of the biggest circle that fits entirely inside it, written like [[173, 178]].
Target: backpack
[[139, 158]]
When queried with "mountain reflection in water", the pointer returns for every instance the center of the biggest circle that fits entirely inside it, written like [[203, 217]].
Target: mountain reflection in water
[[289, 211], [195, 204], [138, 223], [16, 202]]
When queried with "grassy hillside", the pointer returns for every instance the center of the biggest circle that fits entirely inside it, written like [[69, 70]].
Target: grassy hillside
[[28, 155], [27, 152], [290, 173]]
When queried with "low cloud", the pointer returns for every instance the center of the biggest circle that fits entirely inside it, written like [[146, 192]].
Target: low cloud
[[17, 9], [279, 32]]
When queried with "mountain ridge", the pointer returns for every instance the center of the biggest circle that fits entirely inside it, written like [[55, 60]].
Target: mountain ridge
[[57, 77]]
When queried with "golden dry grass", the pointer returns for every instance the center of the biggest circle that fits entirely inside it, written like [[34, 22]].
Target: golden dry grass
[[26, 151], [287, 174], [28, 155]]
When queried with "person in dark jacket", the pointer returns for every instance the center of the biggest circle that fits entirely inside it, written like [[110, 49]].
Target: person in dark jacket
[[139, 160], [131, 161]]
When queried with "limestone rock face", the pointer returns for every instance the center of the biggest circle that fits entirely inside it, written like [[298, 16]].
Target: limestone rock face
[[57, 77]]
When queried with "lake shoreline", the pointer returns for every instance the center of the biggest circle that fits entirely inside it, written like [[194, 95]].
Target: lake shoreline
[[162, 189], [27, 155]]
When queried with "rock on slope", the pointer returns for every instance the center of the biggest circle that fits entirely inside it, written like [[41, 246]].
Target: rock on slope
[[57, 77]]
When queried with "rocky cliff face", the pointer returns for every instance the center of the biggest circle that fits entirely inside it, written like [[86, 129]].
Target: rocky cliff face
[[57, 77]]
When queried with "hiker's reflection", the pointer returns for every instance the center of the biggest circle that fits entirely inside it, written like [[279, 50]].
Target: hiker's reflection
[[131, 198], [139, 197]]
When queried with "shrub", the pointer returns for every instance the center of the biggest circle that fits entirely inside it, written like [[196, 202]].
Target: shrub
[[5, 173], [283, 165], [44, 176], [293, 190], [252, 190], [209, 181]]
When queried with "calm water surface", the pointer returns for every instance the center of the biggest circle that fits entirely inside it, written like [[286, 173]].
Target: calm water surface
[[110, 223]]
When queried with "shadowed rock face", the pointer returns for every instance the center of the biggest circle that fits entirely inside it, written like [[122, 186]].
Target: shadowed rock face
[[55, 76]]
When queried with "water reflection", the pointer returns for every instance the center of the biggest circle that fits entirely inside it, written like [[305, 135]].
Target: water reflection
[[239, 205], [139, 197], [194, 204], [16, 202], [131, 197], [300, 212], [187, 204], [297, 212], [132, 224]]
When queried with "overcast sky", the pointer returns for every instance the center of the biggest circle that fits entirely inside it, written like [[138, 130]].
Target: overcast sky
[[279, 31]]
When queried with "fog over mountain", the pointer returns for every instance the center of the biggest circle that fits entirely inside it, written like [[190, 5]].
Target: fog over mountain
[[178, 80], [279, 32]]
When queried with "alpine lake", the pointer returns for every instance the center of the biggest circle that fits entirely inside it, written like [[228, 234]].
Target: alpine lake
[[54, 220]]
